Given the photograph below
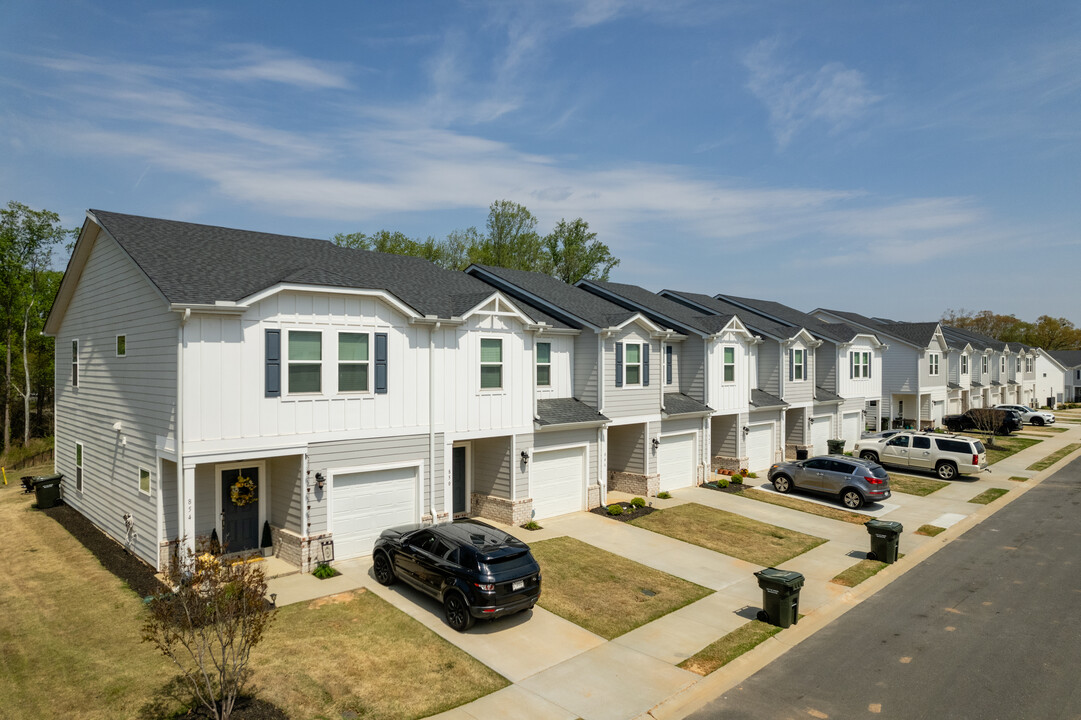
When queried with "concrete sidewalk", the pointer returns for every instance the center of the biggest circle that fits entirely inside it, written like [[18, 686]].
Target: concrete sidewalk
[[560, 671]]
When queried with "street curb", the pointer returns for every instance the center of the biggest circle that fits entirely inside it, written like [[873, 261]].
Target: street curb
[[717, 683]]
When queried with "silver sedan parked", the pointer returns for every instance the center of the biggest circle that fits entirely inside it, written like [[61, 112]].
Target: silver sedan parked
[[853, 481]]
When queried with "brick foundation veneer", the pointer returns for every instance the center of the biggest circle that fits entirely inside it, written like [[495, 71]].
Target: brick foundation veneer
[[724, 462], [790, 451], [508, 512], [634, 483]]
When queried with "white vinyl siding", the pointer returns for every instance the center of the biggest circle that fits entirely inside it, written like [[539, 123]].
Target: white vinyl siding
[[144, 481]]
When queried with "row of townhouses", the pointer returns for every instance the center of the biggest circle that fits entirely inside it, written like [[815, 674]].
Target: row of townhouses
[[289, 393]]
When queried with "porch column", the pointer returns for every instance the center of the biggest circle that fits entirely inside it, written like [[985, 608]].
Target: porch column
[[186, 526], [919, 410]]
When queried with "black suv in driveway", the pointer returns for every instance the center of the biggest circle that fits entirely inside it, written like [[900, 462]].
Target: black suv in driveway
[[474, 569], [1001, 422]]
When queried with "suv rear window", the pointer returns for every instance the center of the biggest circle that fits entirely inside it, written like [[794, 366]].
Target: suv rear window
[[955, 446], [979, 446], [878, 471]]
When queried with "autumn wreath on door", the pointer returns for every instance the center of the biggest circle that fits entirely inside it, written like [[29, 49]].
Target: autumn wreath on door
[[243, 491]]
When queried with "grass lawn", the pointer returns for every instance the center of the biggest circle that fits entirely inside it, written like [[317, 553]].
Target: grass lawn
[[1006, 446], [1018, 478], [1054, 457], [731, 646], [70, 626], [930, 530], [859, 572], [734, 535], [605, 593], [988, 496], [913, 485], [794, 503]]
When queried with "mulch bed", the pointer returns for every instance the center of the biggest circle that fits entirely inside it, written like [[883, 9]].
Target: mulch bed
[[138, 575], [245, 709], [733, 488], [630, 512]]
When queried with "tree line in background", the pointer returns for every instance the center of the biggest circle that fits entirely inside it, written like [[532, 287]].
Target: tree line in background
[[569, 252], [27, 289], [1049, 333]]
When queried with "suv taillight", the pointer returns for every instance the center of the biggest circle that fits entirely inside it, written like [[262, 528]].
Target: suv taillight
[[873, 480], [485, 587], [975, 459]]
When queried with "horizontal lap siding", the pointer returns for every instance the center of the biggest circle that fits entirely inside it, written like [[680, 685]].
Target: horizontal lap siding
[[725, 435], [585, 368], [628, 401], [692, 368], [627, 448], [492, 466], [286, 487], [114, 298], [769, 367]]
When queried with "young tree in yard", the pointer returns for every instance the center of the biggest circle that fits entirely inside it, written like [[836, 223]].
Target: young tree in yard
[[512, 240], [209, 624], [573, 253], [986, 421]]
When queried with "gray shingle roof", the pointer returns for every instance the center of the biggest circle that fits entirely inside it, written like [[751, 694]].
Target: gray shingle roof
[[762, 399], [680, 404], [573, 300], [953, 386], [566, 411], [977, 340], [755, 323], [1069, 358], [837, 332], [659, 308], [824, 395], [919, 334], [202, 264]]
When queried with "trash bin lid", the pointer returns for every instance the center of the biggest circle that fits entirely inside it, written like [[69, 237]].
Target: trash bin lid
[[787, 578], [884, 525]]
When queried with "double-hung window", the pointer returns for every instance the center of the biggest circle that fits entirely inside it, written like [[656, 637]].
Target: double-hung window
[[544, 364], [632, 366], [305, 361], [860, 363], [75, 363], [353, 362], [144, 481], [932, 364], [1028, 364], [79, 467], [729, 364], [964, 364], [1002, 365], [983, 365], [491, 364], [798, 371]]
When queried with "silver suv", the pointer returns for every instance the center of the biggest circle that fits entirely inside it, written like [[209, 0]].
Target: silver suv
[[945, 455], [1032, 417], [852, 480]]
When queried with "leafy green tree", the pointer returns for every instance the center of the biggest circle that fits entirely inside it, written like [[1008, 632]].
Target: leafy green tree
[[512, 240], [573, 252], [1047, 332]]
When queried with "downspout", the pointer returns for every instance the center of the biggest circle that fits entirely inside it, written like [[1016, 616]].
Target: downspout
[[600, 373], [431, 419], [664, 370], [178, 431], [540, 330]]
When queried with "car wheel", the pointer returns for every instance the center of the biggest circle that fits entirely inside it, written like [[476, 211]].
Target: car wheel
[[851, 498], [782, 483], [384, 573], [946, 470], [457, 612], [869, 455], [1037, 421], [762, 616]]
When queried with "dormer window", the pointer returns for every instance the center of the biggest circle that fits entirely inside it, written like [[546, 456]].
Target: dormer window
[[860, 365], [932, 364], [983, 365], [964, 364], [729, 364], [544, 364], [796, 364], [632, 367]]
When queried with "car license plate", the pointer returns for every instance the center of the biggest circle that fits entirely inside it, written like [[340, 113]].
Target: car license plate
[[517, 585]]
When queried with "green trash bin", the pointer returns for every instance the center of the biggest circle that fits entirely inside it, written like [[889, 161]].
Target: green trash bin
[[780, 596], [47, 490], [836, 447], [885, 539]]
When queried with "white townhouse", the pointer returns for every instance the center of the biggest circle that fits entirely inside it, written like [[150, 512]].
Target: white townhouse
[[961, 375], [655, 437], [1060, 376], [914, 369], [285, 392]]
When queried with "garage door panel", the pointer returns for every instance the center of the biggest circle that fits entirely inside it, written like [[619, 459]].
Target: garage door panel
[[558, 478], [820, 433], [760, 452], [851, 429], [366, 503], [676, 461]]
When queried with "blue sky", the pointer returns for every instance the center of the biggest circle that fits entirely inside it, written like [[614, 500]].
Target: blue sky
[[895, 159]]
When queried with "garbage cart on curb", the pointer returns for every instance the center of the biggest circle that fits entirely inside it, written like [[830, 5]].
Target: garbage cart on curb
[[47, 490], [780, 596], [885, 539]]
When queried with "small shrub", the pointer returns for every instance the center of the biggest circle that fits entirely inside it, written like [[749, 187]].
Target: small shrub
[[753, 476], [638, 502], [323, 571], [722, 482], [532, 525], [737, 479], [615, 509], [664, 495]]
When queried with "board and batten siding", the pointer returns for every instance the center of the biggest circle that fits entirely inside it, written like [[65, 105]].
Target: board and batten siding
[[562, 376], [735, 395], [113, 298], [586, 368], [375, 452], [561, 438], [635, 400]]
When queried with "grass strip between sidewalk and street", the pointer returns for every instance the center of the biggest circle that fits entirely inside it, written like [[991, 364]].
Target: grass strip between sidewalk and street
[[859, 572], [721, 652], [1018, 478], [1007, 446], [728, 533], [912, 485], [606, 593], [930, 530], [1053, 457], [988, 496], [792, 503]]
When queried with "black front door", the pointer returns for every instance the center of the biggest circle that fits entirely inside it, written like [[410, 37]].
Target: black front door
[[239, 523], [458, 479]]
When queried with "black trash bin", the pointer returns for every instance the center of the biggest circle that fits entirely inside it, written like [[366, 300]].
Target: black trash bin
[[836, 447], [780, 596], [47, 490], [801, 454], [885, 538]]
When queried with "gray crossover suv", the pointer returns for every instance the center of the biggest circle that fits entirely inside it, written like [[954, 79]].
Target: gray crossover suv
[[852, 480]]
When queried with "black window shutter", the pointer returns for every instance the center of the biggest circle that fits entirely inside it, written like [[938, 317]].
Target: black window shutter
[[619, 364], [668, 364], [645, 364], [273, 373], [381, 363], [791, 365]]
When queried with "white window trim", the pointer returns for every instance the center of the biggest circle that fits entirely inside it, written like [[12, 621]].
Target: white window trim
[[75, 368], [964, 364], [80, 475], [627, 365], [322, 362], [149, 481], [983, 365], [338, 362], [502, 364], [1002, 365], [725, 365], [802, 365], [859, 365], [539, 364], [117, 346], [933, 361]]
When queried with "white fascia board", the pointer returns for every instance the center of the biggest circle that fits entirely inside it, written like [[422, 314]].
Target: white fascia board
[[496, 294], [642, 320]]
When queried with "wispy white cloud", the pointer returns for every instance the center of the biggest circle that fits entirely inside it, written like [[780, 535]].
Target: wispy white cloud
[[833, 95], [256, 62]]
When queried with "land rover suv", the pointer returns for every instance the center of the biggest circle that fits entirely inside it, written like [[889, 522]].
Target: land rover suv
[[945, 455]]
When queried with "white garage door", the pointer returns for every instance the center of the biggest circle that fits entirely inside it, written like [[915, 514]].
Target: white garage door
[[820, 433], [760, 447], [676, 461], [559, 479], [363, 504], [850, 426]]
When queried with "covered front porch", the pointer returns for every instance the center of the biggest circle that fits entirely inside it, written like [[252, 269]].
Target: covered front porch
[[911, 411], [632, 458]]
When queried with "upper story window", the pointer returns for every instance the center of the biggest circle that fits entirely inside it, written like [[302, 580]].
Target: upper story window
[[121, 345], [632, 366], [932, 364], [1028, 364], [544, 364], [797, 365], [668, 360], [1002, 365], [729, 364], [305, 361], [983, 365], [860, 363], [964, 364], [353, 362], [491, 364], [75, 363]]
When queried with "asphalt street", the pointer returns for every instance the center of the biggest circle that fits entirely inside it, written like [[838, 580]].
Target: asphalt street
[[988, 627]]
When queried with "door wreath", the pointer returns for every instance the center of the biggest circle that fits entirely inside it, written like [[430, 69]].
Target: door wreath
[[243, 491]]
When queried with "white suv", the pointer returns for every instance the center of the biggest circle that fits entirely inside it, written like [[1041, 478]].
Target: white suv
[[945, 455], [1032, 417]]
